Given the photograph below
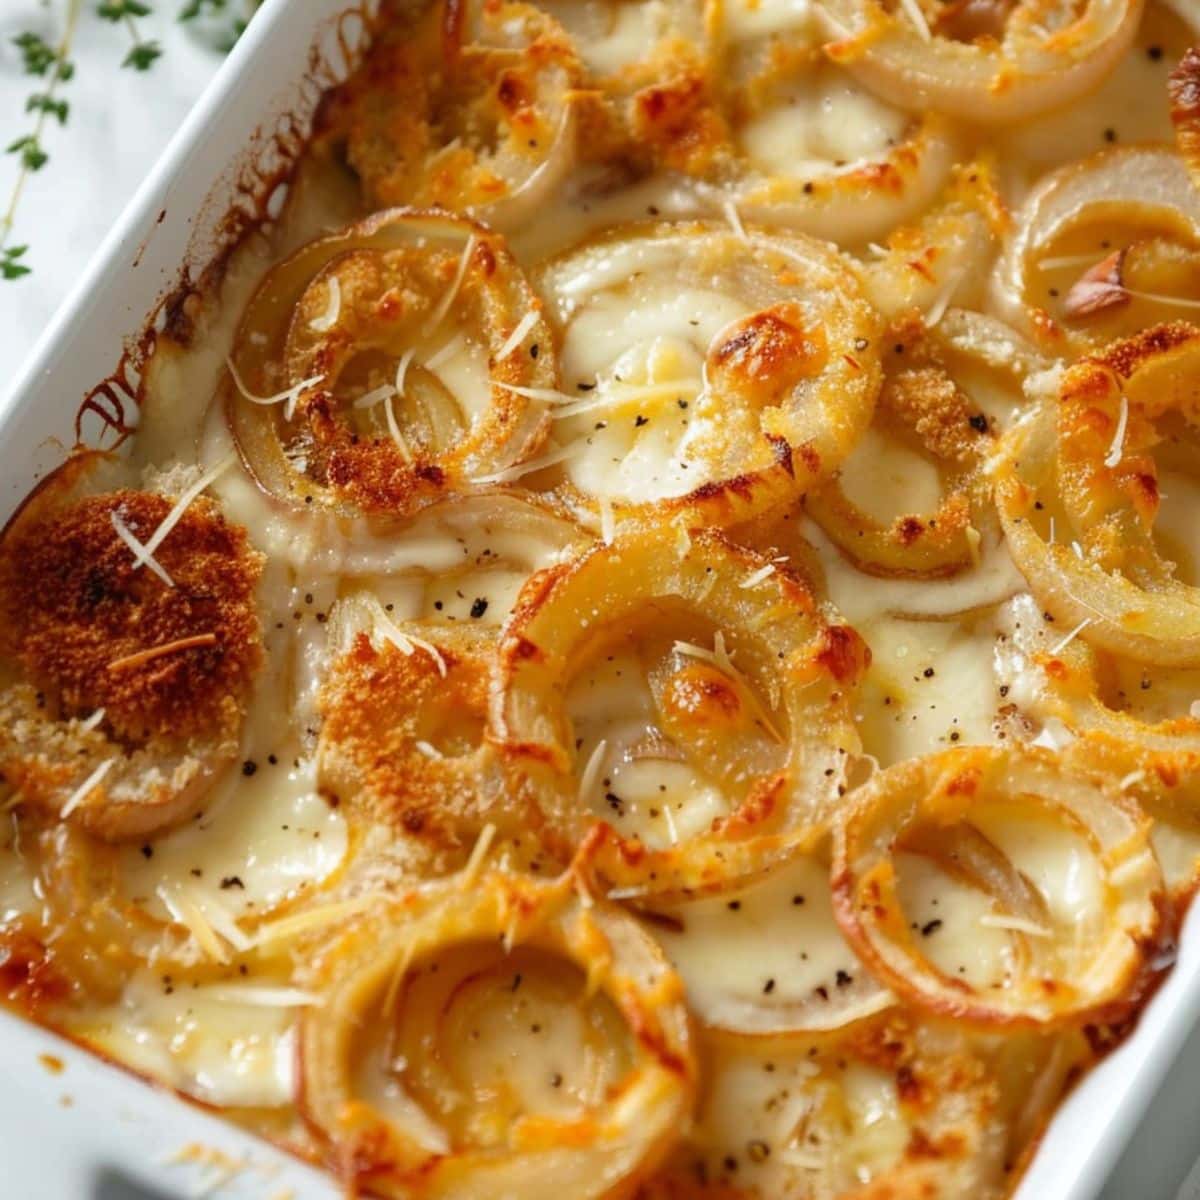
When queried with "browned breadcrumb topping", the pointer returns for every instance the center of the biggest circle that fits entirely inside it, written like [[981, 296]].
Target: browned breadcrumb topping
[[72, 602]]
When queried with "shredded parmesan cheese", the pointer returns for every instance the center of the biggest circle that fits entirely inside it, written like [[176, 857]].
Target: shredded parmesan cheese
[[80, 794], [1015, 924], [185, 913], [1067, 260], [591, 772], [429, 750], [913, 11], [1127, 781], [328, 319], [286, 928], [375, 396], [1065, 642], [518, 335], [1159, 298], [448, 350], [402, 370], [734, 218], [508, 474], [394, 430], [92, 722], [755, 579], [289, 396], [404, 642], [1118, 443], [937, 310], [435, 318], [628, 893], [142, 557], [608, 522], [129, 661], [483, 844]]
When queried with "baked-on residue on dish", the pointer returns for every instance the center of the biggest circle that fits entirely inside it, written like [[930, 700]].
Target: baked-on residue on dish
[[647, 641]]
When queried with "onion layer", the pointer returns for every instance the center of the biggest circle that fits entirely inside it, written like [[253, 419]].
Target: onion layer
[[1084, 458], [773, 731], [734, 372], [373, 976], [381, 366], [1025, 61], [957, 808]]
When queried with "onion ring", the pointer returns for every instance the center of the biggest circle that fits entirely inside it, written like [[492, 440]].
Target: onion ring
[[991, 75], [741, 371], [1071, 463], [927, 806], [772, 733], [919, 399], [1137, 196], [491, 133], [126, 665], [333, 312], [377, 968]]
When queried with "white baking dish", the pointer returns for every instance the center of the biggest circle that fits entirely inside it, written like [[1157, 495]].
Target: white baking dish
[[90, 1127]]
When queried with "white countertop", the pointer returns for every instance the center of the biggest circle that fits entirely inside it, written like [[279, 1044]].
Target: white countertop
[[119, 122]]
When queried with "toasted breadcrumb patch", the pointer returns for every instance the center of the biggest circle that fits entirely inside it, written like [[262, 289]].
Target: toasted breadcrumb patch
[[384, 711], [73, 602]]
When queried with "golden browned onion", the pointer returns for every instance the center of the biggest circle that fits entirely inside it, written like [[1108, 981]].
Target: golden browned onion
[[130, 639], [1166, 784], [1184, 90], [943, 259], [810, 148], [492, 131], [920, 402], [1084, 459], [752, 713], [1102, 248], [706, 373], [993, 63], [501, 1038], [970, 812], [382, 366]]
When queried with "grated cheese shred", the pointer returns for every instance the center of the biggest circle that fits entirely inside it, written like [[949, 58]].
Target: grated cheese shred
[[81, 793]]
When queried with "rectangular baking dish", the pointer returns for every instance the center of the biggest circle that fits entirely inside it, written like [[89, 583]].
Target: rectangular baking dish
[[77, 1127]]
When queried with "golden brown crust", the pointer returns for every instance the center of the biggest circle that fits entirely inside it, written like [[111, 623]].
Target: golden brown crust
[[75, 612]]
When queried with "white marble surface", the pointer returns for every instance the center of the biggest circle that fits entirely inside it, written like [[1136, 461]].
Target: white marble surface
[[120, 120]]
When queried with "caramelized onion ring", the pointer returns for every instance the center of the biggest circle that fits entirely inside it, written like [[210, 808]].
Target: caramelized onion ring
[[919, 399], [406, 287], [491, 131], [1141, 185], [783, 646], [123, 685], [597, 1153], [1062, 981], [741, 371], [1015, 72], [1067, 459]]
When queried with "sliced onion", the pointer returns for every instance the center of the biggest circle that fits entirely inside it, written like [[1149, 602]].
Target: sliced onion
[[733, 372], [1166, 784], [408, 288], [1040, 58], [1067, 460], [1138, 186], [798, 163], [941, 261], [372, 978], [921, 399], [1184, 89], [479, 120], [126, 665], [1071, 967], [770, 715]]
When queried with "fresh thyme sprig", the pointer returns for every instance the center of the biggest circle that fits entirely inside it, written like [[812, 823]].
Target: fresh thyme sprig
[[53, 64], [142, 54]]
